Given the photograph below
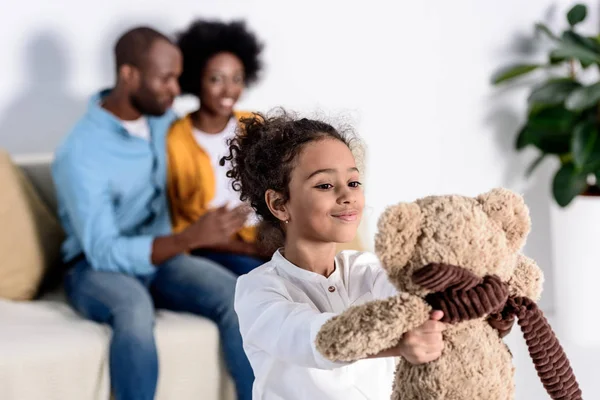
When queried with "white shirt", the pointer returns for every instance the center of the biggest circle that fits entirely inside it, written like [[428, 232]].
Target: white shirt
[[215, 145], [281, 308], [138, 128]]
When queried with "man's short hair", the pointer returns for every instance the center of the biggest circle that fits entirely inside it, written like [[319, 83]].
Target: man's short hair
[[133, 46]]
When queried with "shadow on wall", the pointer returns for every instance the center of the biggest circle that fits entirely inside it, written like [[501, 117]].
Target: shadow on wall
[[507, 108], [45, 109]]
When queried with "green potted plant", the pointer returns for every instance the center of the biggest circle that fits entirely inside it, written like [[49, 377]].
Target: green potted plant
[[563, 122]]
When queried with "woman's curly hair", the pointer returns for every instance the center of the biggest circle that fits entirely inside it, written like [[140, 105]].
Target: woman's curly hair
[[203, 39], [262, 156]]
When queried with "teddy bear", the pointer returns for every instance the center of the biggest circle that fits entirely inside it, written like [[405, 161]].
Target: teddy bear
[[461, 255]]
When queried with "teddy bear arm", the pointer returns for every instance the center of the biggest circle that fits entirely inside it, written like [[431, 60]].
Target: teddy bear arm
[[370, 328], [527, 279]]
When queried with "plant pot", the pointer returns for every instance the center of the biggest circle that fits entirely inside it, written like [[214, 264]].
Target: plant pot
[[576, 251]]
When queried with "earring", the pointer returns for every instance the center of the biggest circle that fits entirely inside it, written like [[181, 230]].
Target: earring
[[287, 221]]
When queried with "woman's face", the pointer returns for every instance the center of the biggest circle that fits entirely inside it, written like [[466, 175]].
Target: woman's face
[[222, 84], [326, 199]]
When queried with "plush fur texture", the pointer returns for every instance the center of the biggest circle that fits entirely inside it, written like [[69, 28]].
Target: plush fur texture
[[368, 327], [483, 235]]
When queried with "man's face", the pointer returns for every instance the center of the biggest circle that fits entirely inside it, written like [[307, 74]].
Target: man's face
[[157, 85]]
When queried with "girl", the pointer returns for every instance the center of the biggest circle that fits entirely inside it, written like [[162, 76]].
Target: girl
[[301, 178], [219, 61]]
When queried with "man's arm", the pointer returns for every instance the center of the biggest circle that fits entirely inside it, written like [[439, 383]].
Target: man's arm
[[87, 199], [88, 203], [167, 247]]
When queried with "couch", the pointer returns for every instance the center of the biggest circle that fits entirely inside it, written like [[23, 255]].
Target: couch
[[47, 351]]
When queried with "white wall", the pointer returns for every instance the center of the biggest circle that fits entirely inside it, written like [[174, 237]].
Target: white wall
[[413, 77]]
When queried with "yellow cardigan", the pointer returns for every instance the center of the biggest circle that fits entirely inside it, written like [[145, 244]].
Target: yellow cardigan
[[190, 177]]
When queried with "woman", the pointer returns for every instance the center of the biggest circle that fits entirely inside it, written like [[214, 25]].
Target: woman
[[220, 60]]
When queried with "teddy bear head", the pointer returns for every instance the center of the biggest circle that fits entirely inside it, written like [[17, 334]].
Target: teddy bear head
[[483, 235]]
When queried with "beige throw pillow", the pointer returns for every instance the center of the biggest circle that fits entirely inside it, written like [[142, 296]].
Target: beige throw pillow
[[30, 235]]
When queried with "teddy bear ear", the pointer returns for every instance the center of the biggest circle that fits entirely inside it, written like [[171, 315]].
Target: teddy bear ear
[[510, 211], [398, 229]]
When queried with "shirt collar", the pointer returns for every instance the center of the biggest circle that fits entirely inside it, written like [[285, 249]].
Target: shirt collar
[[107, 120], [101, 116], [290, 269]]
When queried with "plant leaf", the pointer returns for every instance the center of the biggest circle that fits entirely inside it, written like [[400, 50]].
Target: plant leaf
[[569, 48], [522, 139], [572, 37], [549, 129], [565, 158], [553, 92], [583, 97], [591, 42], [554, 119], [582, 54], [585, 136], [512, 71], [534, 165], [553, 59], [568, 184], [576, 14], [542, 28], [535, 108]]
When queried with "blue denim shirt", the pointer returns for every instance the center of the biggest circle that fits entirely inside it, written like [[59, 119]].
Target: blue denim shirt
[[111, 191]]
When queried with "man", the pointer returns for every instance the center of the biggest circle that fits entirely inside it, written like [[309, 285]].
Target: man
[[110, 176]]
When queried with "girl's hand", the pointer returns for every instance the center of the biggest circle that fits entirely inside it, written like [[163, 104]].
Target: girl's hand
[[424, 343]]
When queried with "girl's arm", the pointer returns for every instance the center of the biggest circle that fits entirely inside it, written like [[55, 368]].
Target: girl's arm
[[272, 322], [421, 345], [372, 328]]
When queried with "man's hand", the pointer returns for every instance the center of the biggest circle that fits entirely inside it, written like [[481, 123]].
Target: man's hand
[[424, 343], [215, 228]]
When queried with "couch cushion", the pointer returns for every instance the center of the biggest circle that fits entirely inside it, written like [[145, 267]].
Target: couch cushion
[[49, 352], [30, 236]]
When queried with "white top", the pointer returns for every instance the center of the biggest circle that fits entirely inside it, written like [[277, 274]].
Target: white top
[[138, 127], [215, 145], [281, 308]]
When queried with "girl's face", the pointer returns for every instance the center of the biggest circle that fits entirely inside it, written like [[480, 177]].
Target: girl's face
[[326, 199], [222, 84]]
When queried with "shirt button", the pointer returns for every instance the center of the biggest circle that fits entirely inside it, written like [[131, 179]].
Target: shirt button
[[331, 289]]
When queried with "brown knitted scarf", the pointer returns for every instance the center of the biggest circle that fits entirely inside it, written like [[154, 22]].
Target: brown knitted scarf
[[462, 295]]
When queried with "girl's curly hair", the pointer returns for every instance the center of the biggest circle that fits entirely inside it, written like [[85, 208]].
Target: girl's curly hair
[[262, 156]]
